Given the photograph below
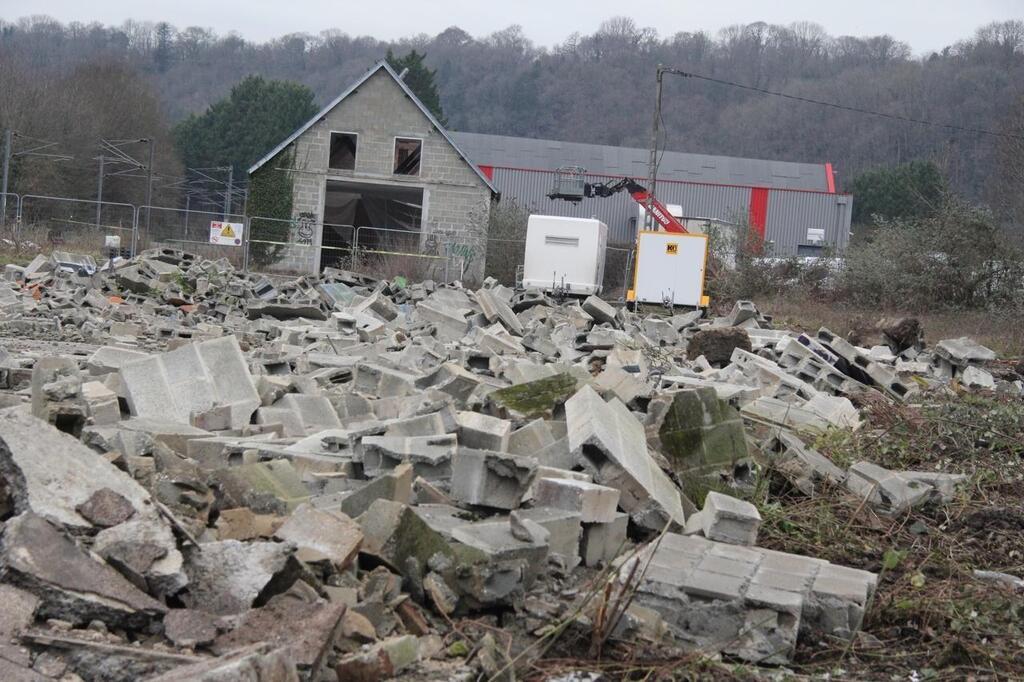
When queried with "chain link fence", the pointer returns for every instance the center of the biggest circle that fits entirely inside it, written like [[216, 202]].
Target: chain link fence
[[46, 223]]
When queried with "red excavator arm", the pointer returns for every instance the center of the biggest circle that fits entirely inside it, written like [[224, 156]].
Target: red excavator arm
[[641, 196]]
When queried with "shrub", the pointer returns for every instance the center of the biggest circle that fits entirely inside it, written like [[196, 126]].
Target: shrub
[[957, 257], [506, 240]]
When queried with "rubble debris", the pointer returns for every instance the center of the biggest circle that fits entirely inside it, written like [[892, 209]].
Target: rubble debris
[[229, 577], [207, 474], [53, 475], [258, 663], [71, 585]]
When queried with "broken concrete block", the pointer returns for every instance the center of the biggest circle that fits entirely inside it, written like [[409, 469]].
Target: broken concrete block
[[497, 310], [483, 432], [602, 542], [53, 474], [897, 491], [272, 487], [697, 432], [836, 410], [382, 382], [746, 601], [594, 503], [394, 533], [430, 456], [811, 468], [490, 479], [727, 519], [144, 551], [534, 399], [975, 377], [861, 367], [563, 532], [601, 311], [315, 412], [775, 412], [191, 379], [506, 565], [530, 439], [395, 486], [322, 536], [623, 385], [229, 577], [70, 584], [610, 441], [101, 403], [963, 351]]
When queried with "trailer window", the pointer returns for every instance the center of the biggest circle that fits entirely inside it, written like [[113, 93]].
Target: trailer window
[[552, 240]]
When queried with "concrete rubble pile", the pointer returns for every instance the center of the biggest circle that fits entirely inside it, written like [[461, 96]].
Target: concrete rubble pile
[[207, 475]]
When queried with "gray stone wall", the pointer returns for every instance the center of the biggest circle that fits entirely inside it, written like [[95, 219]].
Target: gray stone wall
[[456, 201]]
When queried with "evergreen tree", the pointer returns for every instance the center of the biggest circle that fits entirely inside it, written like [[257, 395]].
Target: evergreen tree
[[420, 80], [163, 54], [241, 128], [911, 190]]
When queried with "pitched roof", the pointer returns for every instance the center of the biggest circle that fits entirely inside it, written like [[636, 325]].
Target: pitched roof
[[352, 88], [533, 154]]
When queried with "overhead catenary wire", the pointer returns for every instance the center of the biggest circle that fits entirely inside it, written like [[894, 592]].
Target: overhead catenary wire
[[845, 107]]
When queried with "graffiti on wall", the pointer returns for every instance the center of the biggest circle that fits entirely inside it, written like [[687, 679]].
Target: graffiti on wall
[[303, 228], [443, 242]]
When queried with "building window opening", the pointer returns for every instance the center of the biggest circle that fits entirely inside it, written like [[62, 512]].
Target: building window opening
[[343, 151], [407, 156]]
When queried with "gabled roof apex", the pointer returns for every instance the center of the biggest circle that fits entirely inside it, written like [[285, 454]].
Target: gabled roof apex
[[382, 64]]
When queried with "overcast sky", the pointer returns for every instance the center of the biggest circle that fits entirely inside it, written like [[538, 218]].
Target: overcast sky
[[925, 24]]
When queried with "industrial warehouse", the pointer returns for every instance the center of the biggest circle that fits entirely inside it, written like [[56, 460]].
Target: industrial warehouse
[[794, 207]]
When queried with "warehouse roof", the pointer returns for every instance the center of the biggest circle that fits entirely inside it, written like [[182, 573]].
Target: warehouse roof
[[597, 159]]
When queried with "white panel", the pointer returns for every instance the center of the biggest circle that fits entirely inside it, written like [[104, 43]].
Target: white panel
[[670, 265]]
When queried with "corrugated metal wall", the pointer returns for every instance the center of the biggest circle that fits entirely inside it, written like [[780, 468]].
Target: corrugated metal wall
[[790, 213]]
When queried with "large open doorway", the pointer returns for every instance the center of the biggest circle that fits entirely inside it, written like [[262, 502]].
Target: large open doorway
[[390, 218]]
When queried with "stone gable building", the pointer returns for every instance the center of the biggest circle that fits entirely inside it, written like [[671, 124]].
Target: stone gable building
[[375, 158]]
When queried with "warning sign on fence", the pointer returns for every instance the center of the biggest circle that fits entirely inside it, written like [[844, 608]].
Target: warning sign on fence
[[226, 234]]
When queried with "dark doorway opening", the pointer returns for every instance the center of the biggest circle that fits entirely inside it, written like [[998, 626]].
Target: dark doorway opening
[[388, 220]]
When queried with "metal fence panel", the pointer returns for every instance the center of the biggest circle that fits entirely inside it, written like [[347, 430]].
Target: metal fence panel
[[389, 252], [188, 230], [79, 225], [10, 204]]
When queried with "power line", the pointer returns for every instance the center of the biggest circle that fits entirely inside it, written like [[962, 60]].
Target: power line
[[844, 107]]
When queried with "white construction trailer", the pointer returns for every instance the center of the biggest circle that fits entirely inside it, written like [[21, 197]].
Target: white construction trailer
[[565, 255]]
